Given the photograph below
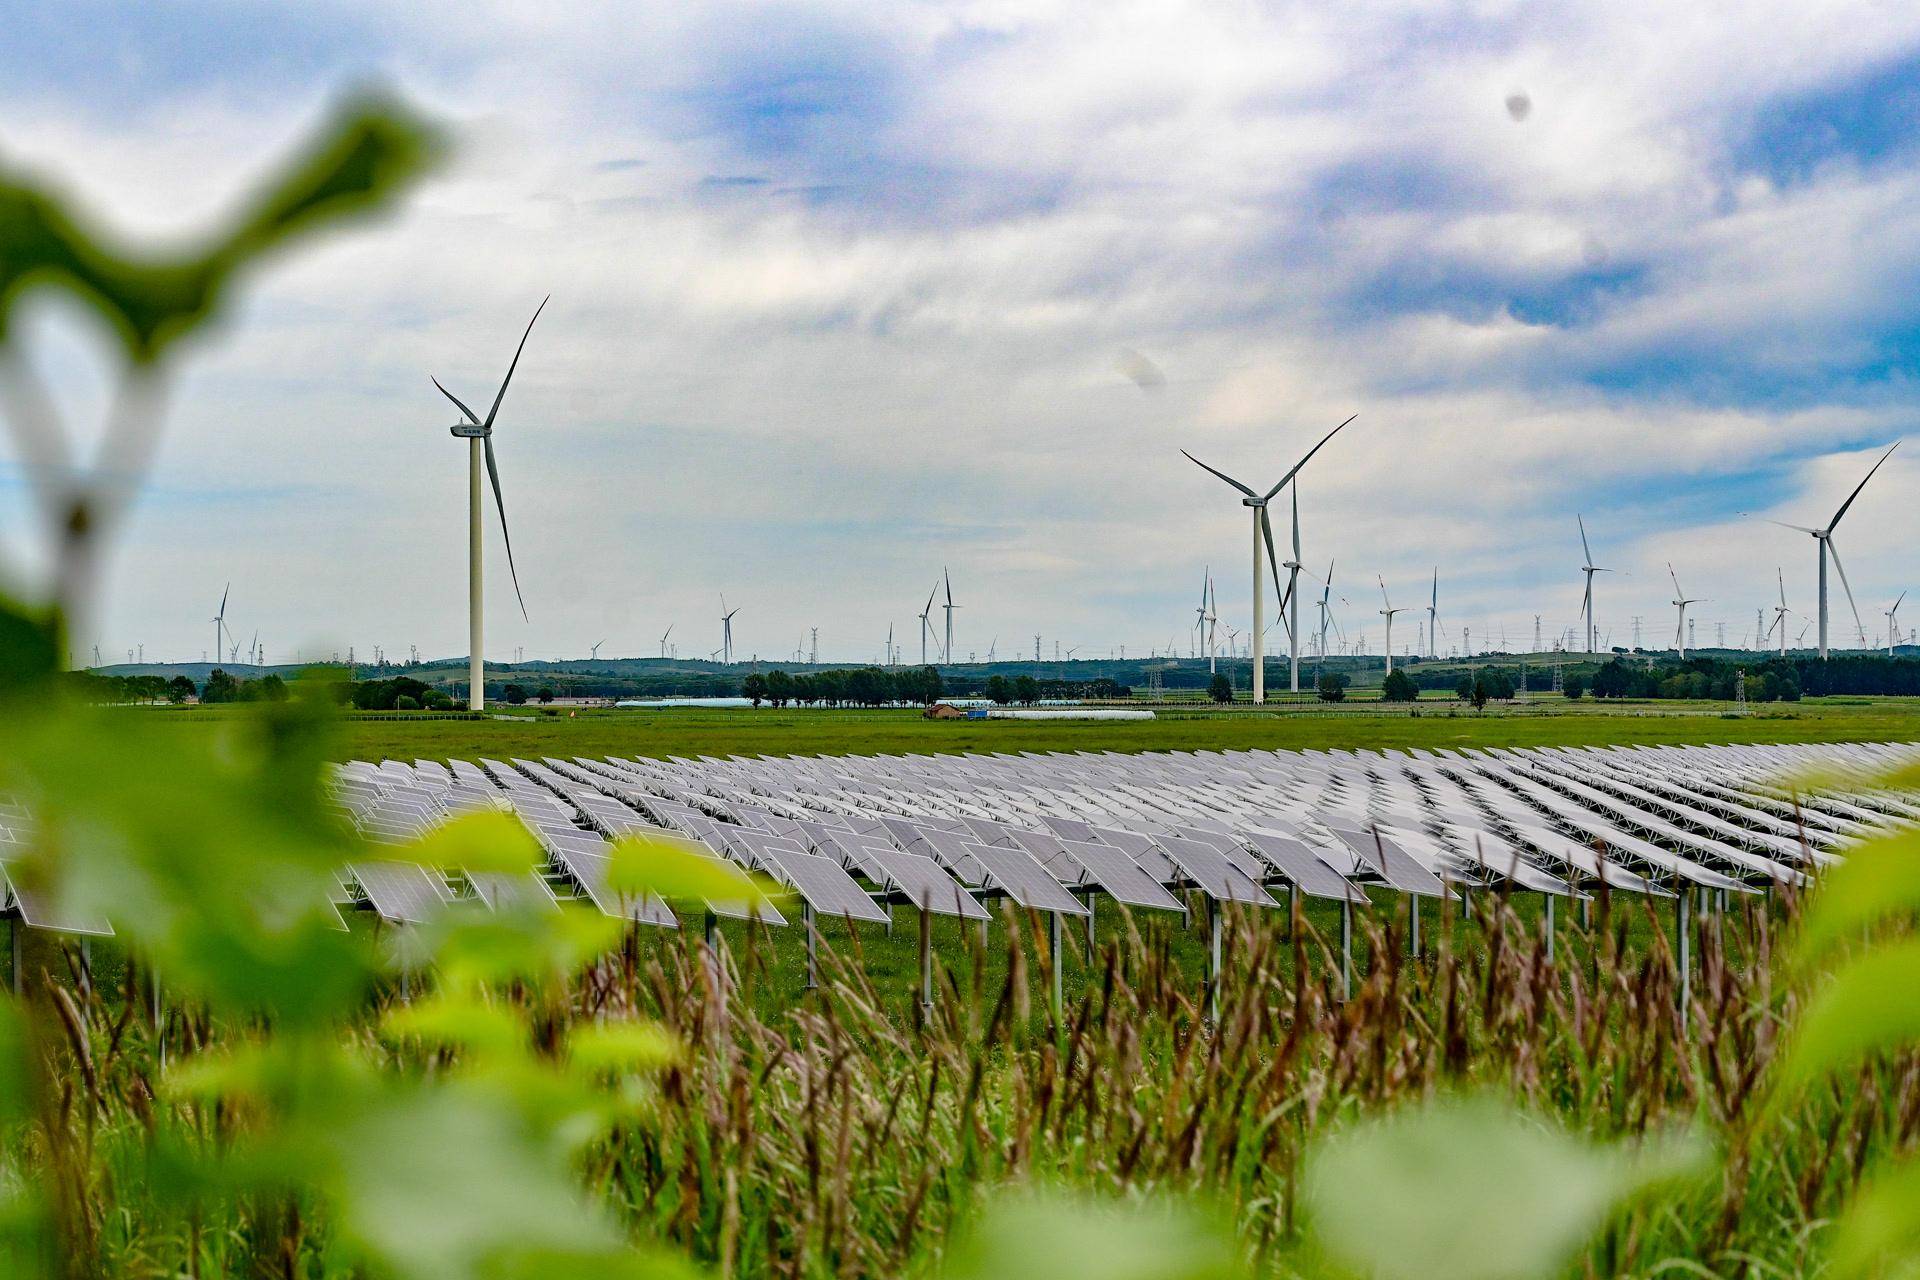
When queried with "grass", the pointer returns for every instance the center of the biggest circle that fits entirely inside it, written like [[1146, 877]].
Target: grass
[[692, 732]]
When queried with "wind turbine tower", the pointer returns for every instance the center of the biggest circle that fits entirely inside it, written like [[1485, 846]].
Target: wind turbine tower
[[1433, 617], [1680, 601], [479, 438], [1589, 568], [1893, 624], [1263, 534], [220, 622], [946, 654]]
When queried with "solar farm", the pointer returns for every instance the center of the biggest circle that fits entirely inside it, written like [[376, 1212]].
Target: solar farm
[[854, 839]]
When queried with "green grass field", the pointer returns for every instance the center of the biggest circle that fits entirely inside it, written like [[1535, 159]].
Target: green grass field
[[766, 731]]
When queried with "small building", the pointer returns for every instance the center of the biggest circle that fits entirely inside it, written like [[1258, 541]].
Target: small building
[[943, 711]]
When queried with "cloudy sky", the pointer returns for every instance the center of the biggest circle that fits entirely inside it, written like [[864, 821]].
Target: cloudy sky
[[843, 293]]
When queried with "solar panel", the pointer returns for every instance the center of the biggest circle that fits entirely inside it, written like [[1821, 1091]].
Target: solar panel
[[1209, 868], [518, 891], [38, 910], [823, 885], [1395, 865], [592, 872], [1015, 873], [1303, 867], [921, 882], [401, 892], [1118, 876]]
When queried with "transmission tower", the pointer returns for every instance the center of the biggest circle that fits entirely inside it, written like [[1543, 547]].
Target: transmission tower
[[1740, 692], [1536, 633]]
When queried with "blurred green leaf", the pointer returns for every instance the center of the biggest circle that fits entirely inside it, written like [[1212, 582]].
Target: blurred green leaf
[[461, 1021], [1878, 1233], [368, 151], [471, 950], [1061, 1236], [623, 1047], [675, 873], [1866, 1006], [482, 840], [1474, 1190], [1880, 878]]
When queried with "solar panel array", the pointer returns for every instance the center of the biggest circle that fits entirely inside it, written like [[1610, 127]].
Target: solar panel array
[[1052, 831]]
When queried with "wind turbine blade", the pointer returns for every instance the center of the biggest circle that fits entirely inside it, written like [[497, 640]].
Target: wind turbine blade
[[1223, 475], [493, 474], [1585, 550], [516, 362], [1863, 484], [1676, 580], [1304, 461], [1273, 561], [1798, 528], [1296, 525], [224, 591], [1896, 603], [1835, 553], [456, 400]]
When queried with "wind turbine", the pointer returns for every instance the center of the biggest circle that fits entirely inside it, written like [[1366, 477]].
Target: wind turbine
[[593, 655], [889, 644], [1589, 568], [1433, 617], [946, 653], [1213, 628], [1824, 537], [220, 622], [1893, 629], [726, 629], [1388, 613], [1200, 619], [1290, 602], [1780, 611], [1680, 601], [663, 639], [926, 623], [479, 438], [1263, 533]]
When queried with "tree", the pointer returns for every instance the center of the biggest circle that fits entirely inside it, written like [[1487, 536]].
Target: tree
[[1331, 686], [220, 687], [406, 703], [1026, 690], [1574, 687], [437, 700], [779, 688], [1465, 687], [1220, 689], [545, 694], [999, 690], [1399, 687], [1479, 693], [515, 694], [754, 688], [179, 689]]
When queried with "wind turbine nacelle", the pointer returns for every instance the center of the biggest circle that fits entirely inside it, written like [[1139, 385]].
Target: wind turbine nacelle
[[469, 431], [1253, 502]]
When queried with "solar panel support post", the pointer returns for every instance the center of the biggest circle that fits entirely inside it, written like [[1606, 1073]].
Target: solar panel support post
[[1346, 949], [1586, 913], [1056, 960], [1549, 898], [1093, 941], [926, 960], [813, 944], [1293, 911], [1213, 957], [1413, 924], [13, 926], [1683, 931]]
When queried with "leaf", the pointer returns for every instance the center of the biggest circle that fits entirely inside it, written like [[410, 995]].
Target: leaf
[[1880, 878], [1865, 1007], [623, 1047], [540, 946], [457, 1021], [1878, 1233], [482, 840], [361, 160], [675, 873], [1475, 1190], [1061, 1236]]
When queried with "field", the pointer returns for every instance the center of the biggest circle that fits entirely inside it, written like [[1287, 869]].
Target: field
[[692, 732]]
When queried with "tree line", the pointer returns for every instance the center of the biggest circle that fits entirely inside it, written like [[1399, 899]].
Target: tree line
[[845, 687]]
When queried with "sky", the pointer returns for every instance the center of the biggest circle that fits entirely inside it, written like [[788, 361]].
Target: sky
[[848, 294]]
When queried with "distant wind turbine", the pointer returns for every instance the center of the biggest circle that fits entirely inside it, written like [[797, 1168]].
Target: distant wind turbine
[[1824, 537], [1780, 611], [1387, 612], [663, 639], [593, 655], [479, 438], [946, 652], [1433, 617], [220, 622], [1680, 601], [1893, 624], [1263, 534], [726, 629], [926, 622], [1589, 568]]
